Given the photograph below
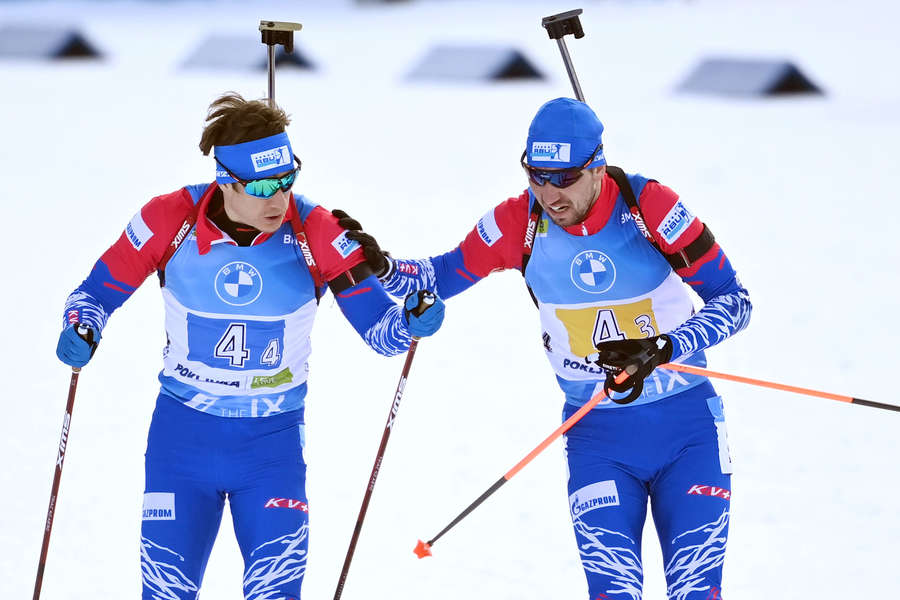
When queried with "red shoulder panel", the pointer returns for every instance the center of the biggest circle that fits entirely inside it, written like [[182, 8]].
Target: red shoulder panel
[[137, 252], [673, 226], [334, 253], [496, 241]]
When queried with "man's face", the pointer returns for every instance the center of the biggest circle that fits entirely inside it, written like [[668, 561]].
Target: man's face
[[265, 214], [570, 205]]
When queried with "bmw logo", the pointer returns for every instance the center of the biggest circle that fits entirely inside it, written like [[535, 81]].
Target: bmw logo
[[238, 283], [593, 272]]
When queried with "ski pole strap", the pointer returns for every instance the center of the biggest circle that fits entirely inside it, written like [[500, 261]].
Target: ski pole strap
[[680, 259]]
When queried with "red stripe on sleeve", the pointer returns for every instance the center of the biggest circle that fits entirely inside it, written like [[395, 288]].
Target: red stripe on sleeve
[[463, 274], [115, 287], [355, 292]]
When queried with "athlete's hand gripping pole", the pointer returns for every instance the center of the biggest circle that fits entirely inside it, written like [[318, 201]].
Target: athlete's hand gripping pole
[[276, 33], [54, 492], [777, 386], [426, 301], [558, 27], [423, 549]]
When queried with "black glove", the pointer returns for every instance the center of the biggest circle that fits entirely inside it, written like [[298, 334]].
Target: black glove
[[637, 358], [378, 259]]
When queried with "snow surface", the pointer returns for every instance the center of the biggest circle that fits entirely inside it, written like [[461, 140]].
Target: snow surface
[[797, 190]]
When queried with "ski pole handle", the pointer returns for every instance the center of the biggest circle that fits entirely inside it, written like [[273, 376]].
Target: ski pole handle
[[426, 299]]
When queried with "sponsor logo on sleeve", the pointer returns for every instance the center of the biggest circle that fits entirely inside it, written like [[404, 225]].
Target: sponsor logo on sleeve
[[73, 316], [344, 245], [591, 497], [159, 506], [709, 490], [551, 151], [407, 268], [675, 223], [287, 503], [137, 232], [271, 159], [488, 229]]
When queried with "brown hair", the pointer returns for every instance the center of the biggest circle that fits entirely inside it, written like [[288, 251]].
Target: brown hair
[[233, 120]]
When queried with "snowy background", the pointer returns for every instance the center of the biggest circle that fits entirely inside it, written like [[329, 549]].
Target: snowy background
[[799, 192]]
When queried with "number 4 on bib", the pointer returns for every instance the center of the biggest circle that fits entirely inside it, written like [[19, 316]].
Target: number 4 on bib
[[232, 345]]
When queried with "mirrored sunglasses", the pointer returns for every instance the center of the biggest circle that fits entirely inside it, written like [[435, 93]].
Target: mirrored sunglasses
[[269, 186]]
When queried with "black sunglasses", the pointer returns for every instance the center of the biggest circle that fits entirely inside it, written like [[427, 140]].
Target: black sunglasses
[[561, 178]]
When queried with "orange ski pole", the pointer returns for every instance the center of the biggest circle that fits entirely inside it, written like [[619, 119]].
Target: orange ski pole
[[777, 386], [423, 549]]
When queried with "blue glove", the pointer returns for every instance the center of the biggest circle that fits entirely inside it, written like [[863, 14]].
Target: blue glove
[[77, 344], [424, 313]]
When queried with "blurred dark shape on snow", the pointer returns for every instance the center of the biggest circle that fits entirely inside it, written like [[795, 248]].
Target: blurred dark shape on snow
[[241, 52], [44, 42], [748, 78], [474, 63]]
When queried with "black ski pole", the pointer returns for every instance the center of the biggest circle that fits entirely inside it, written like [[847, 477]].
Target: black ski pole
[[558, 27], [61, 456], [426, 301], [276, 33]]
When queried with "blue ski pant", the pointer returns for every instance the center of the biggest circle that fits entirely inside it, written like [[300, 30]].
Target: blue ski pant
[[194, 462], [672, 452]]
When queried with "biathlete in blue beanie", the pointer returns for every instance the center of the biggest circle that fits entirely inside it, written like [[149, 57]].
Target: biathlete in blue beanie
[[609, 258], [242, 263]]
